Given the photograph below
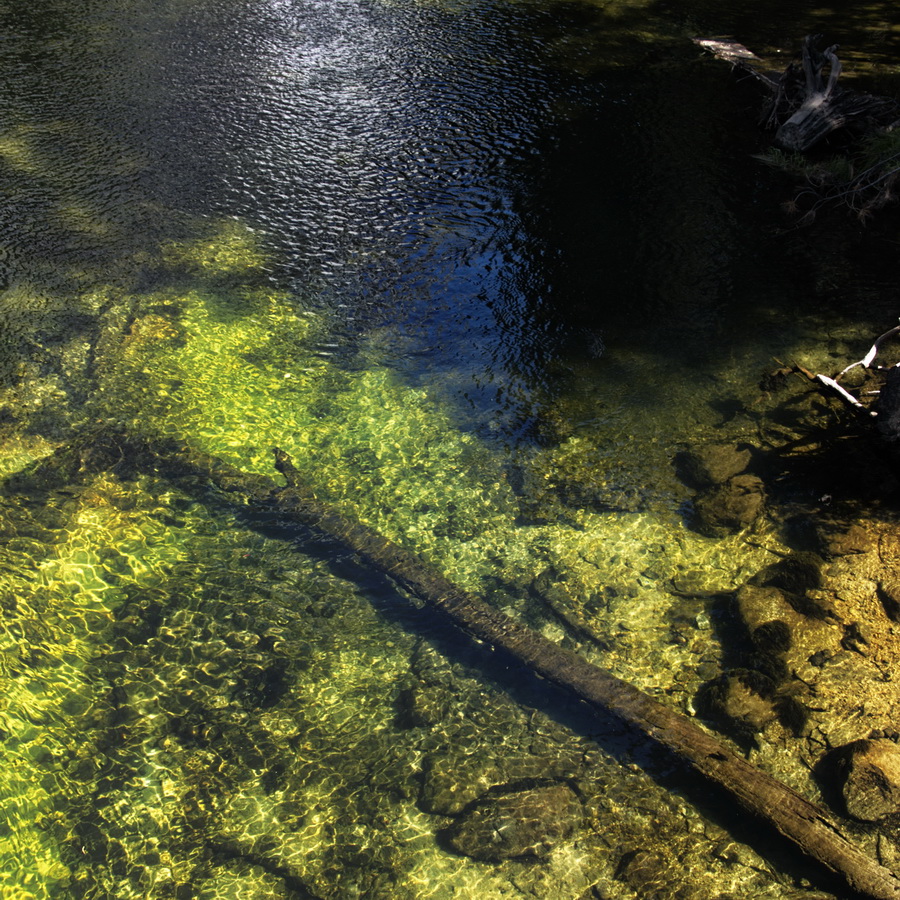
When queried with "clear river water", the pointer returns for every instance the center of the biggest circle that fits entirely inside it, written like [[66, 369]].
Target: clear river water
[[482, 267]]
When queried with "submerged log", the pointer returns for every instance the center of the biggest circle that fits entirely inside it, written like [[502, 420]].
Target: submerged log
[[803, 823], [804, 105]]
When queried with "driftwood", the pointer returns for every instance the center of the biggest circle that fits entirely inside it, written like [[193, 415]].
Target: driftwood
[[805, 106], [880, 398], [804, 824], [743, 60]]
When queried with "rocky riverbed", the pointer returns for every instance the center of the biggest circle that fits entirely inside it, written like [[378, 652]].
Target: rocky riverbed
[[808, 683]]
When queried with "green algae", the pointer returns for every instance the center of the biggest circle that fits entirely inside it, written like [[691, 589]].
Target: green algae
[[235, 370], [158, 765], [194, 710], [230, 248]]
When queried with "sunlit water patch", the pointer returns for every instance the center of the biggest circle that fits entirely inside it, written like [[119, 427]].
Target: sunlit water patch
[[222, 712], [204, 711]]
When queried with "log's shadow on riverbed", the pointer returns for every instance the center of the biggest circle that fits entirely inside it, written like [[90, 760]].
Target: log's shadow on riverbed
[[620, 745]]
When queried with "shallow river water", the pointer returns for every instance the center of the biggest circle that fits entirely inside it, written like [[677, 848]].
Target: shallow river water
[[482, 268]]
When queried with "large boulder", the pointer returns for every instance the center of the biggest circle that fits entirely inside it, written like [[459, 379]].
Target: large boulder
[[517, 824]]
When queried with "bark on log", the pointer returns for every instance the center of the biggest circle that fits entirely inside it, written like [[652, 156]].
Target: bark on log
[[803, 823]]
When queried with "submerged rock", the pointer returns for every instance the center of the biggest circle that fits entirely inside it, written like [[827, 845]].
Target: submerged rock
[[889, 594], [869, 771], [786, 638], [451, 783], [422, 705], [525, 823], [729, 507], [645, 872], [797, 573], [769, 618], [741, 701], [713, 464], [799, 577], [837, 539]]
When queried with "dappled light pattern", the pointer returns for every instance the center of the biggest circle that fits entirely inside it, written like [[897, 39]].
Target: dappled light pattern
[[201, 710], [198, 709]]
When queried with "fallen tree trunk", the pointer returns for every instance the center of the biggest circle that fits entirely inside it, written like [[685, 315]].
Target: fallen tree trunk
[[803, 823]]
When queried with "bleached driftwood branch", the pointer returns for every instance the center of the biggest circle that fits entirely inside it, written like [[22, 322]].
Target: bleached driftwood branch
[[865, 362], [804, 105]]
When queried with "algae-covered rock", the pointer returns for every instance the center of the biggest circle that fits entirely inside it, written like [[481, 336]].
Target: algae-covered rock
[[729, 507], [713, 464], [797, 573], [869, 771], [523, 823], [837, 539], [645, 872], [741, 701], [782, 636], [759, 607]]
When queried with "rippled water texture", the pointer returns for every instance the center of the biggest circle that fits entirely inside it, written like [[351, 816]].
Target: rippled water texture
[[481, 268]]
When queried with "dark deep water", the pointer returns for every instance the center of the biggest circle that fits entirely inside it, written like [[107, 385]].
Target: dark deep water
[[481, 268]]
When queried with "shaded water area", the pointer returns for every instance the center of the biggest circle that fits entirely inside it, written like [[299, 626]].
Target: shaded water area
[[483, 269]]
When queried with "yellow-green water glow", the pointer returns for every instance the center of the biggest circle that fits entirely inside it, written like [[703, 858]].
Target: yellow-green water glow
[[126, 775], [137, 751], [191, 709], [239, 373], [58, 596]]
